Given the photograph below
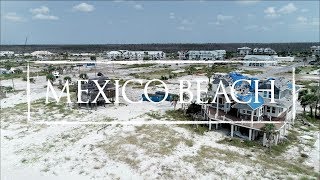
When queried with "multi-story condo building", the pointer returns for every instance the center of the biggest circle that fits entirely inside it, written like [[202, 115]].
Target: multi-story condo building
[[244, 51], [182, 55], [315, 50], [259, 60], [202, 55], [136, 55]]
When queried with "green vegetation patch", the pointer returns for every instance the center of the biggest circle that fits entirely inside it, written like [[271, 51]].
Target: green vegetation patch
[[152, 75], [131, 66], [252, 72], [179, 115]]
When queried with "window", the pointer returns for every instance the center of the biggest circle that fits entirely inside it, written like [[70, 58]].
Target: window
[[265, 93], [248, 112], [273, 110], [268, 109]]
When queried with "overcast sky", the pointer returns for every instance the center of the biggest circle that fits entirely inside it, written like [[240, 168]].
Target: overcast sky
[[103, 22]]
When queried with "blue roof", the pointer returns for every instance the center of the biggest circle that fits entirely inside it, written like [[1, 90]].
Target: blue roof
[[252, 104], [251, 89], [290, 86], [236, 76]]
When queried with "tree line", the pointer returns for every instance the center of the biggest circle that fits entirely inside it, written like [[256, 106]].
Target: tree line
[[168, 48]]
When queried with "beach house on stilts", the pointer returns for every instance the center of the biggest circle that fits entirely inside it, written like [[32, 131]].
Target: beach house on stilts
[[248, 119]]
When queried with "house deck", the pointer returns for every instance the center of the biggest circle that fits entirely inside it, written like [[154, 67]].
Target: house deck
[[231, 116]]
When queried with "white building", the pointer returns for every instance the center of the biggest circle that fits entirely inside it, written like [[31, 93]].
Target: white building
[[113, 55], [315, 50], [182, 55], [244, 51], [265, 51], [6, 53], [41, 53], [135, 55], [258, 60], [82, 54], [283, 59], [204, 55]]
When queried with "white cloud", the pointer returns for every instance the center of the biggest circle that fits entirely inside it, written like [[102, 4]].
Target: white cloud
[[186, 22], [45, 17], [264, 28], [214, 23], [42, 13], [40, 10], [307, 24], [224, 18], [184, 28], [248, 2], [271, 12], [130, 3], [256, 28], [172, 15], [12, 16], [83, 7], [287, 9], [250, 27], [315, 22], [138, 7], [302, 19], [251, 15]]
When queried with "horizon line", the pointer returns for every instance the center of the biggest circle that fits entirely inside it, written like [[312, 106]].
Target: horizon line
[[164, 43]]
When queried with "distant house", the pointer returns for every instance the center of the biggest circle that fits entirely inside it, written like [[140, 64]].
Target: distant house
[[6, 53], [315, 50], [5, 71], [90, 91], [113, 55], [264, 51], [41, 53], [27, 54], [244, 51], [258, 60], [182, 55], [204, 55], [156, 55]]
